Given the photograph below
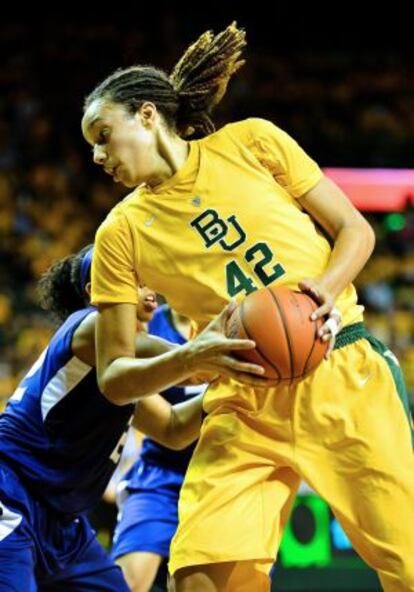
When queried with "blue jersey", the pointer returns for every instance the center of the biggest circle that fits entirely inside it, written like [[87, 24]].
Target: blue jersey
[[161, 325], [58, 432]]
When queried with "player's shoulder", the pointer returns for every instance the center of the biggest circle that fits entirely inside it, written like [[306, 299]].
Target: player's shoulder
[[247, 131], [72, 322], [116, 219], [161, 312], [160, 318]]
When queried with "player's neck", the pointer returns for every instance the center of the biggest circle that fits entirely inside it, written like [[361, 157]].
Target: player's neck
[[173, 152]]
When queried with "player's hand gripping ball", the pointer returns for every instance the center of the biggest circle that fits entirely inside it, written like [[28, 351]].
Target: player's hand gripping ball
[[287, 341]]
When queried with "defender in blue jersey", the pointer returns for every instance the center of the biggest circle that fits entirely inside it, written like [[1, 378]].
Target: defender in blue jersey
[[149, 491], [60, 438]]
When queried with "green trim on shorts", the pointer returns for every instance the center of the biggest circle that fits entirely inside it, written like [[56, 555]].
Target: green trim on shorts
[[397, 376], [350, 334], [357, 331]]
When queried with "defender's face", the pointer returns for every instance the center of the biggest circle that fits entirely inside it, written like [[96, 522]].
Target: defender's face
[[122, 143]]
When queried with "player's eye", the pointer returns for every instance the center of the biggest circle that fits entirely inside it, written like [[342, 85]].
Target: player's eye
[[103, 136]]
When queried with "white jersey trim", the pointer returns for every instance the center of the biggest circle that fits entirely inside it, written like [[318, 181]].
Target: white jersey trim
[[9, 521], [62, 383]]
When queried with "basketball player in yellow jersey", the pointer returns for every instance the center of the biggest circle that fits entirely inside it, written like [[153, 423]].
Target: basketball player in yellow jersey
[[213, 219]]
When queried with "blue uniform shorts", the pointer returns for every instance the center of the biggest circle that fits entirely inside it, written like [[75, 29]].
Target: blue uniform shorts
[[148, 517], [41, 550]]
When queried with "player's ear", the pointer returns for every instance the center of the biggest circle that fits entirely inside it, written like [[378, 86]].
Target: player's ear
[[88, 289], [147, 114]]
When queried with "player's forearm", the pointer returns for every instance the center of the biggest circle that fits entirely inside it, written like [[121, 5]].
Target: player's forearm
[[174, 426], [185, 423], [148, 346], [353, 247], [126, 380]]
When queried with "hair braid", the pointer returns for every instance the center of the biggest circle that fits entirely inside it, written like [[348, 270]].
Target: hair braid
[[196, 85], [202, 74]]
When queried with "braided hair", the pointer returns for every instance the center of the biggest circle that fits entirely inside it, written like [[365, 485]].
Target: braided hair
[[195, 86]]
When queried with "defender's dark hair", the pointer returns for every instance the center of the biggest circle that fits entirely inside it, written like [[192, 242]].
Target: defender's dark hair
[[60, 290], [196, 85]]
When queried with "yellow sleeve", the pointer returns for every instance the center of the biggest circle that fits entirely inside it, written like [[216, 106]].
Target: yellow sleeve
[[288, 163], [114, 279]]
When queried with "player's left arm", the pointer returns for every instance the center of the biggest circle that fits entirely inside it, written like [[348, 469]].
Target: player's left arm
[[175, 426], [352, 236]]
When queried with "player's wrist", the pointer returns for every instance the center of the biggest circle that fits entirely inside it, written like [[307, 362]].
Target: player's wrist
[[329, 287], [187, 356]]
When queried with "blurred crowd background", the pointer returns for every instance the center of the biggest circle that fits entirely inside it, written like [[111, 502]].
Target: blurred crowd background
[[348, 105]]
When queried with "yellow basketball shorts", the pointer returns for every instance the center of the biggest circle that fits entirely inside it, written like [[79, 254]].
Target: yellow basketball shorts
[[345, 429]]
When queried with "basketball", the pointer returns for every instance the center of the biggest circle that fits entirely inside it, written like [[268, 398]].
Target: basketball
[[278, 320]]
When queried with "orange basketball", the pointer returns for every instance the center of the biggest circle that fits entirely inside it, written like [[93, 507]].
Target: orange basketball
[[278, 320]]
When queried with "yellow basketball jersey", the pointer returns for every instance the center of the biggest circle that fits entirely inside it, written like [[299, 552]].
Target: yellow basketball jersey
[[227, 223]]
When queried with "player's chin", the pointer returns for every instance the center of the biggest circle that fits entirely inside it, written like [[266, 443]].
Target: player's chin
[[131, 181], [129, 184], [147, 310], [144, 316], [126, 180]]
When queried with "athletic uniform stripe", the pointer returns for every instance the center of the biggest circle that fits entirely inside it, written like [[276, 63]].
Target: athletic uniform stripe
[[9, 521], [62, 383], [397, 375]]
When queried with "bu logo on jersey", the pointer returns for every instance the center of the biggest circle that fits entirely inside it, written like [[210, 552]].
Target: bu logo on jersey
[[213, 229], [258, 258]]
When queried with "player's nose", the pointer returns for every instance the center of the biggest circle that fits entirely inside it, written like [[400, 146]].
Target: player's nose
[[99, 154]]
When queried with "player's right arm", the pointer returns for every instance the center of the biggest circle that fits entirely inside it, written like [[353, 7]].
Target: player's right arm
[[146, 346], [124, 379]]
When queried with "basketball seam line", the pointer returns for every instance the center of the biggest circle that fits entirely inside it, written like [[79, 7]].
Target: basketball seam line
[[259, 351], [284, 322]]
